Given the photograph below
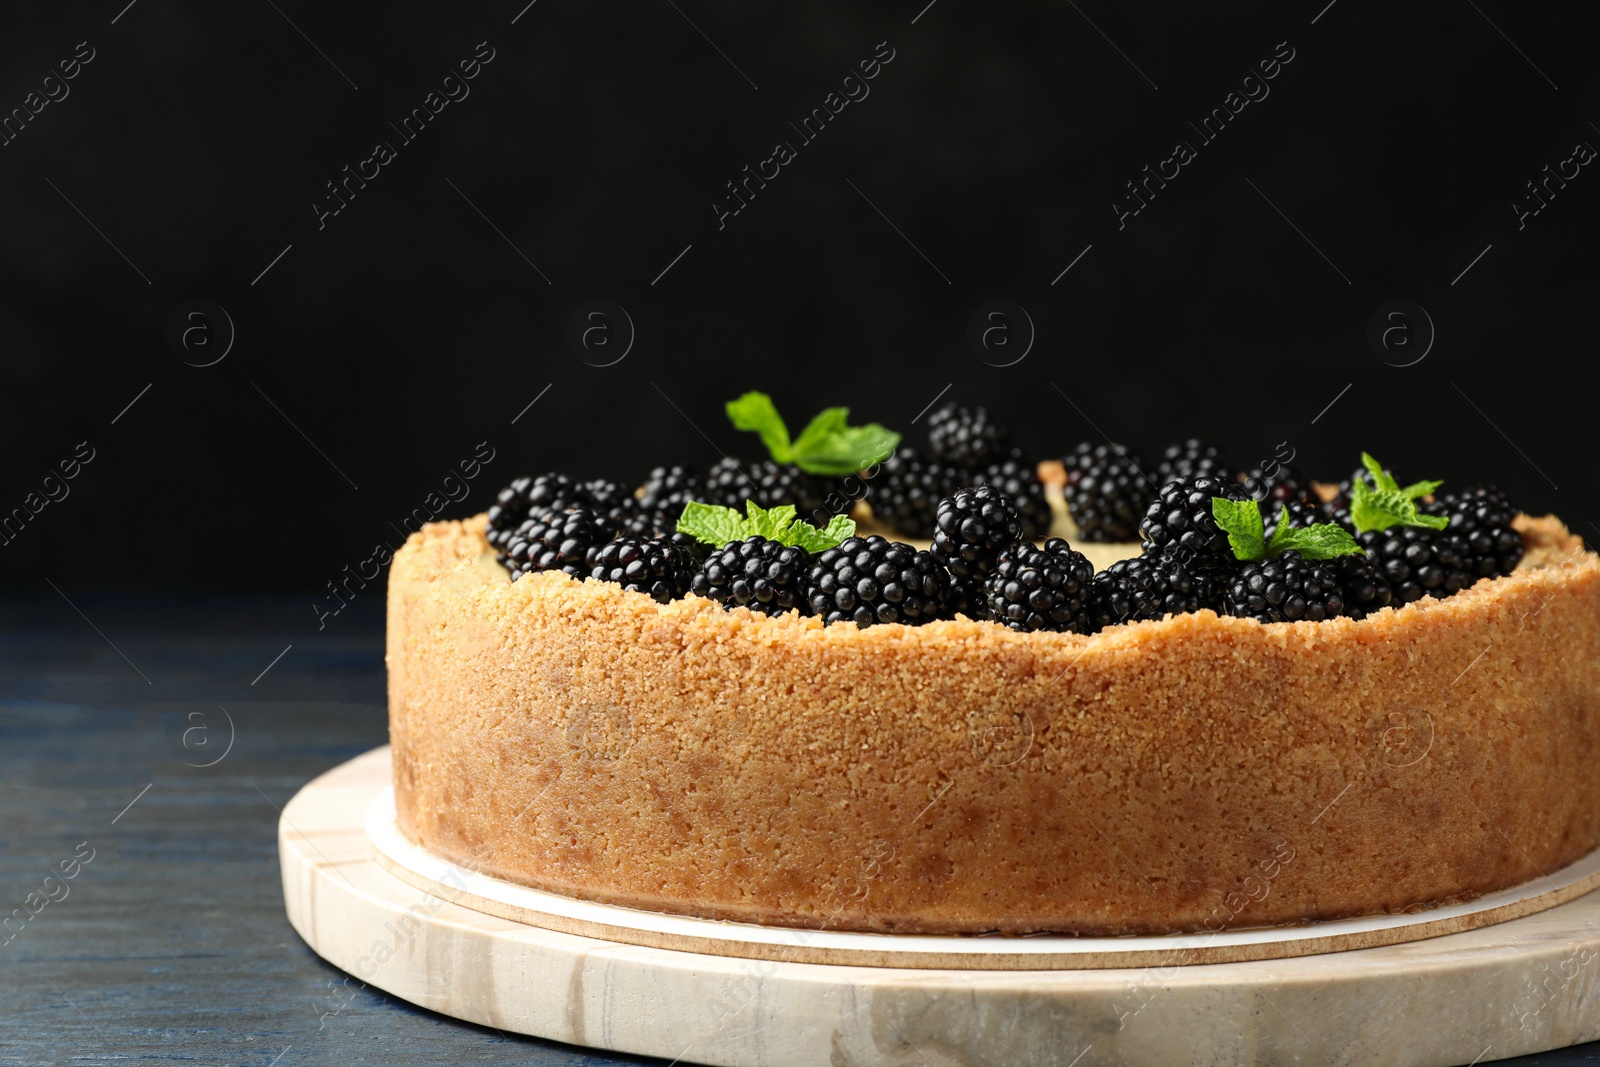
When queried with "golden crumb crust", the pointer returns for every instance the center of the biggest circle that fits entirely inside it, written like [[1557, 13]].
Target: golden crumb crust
[[1192, 773]]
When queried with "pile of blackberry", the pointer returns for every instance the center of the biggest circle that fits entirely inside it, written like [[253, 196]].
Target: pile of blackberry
[[1480, 527], [966, 448], [552, 540], [979, 500]]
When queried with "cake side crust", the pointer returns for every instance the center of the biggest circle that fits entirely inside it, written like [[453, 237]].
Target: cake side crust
[[1185, 774]]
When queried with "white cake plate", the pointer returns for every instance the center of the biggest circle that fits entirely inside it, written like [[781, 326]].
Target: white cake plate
[[1438, 988]]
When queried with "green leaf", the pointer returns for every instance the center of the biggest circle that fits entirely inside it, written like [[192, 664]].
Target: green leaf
[[1280, 532], [711, 524], [1381, 479], [831, 447], [828, 445], [1420, 489], [1379, 509], [1323, 540], [755, 412], [814, 540], [770, 524], [828, 422], [1241, 521], [719, 526]]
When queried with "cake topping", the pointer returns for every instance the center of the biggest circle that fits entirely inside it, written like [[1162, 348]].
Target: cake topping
[[967, 439], [828, 445], [657, 567], [1047, 588], [868, 580], [758, 574], [1241, 520], [1106, 492], [718, 526], [1263, 545], [972, 527]]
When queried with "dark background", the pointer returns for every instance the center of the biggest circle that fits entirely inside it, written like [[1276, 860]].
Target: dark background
[[381, 349], [374, 354]]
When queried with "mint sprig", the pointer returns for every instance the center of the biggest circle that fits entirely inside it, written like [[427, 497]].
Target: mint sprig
[[828, 445], [1382, 503], [718, 526], [1241, 520]]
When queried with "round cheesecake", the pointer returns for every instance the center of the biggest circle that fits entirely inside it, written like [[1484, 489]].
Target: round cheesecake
[[1184, 774]]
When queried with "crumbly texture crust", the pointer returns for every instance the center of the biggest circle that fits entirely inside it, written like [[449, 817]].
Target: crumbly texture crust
[[1185, 774]]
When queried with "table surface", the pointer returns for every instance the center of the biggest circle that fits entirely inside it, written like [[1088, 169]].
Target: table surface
[[171, 943]]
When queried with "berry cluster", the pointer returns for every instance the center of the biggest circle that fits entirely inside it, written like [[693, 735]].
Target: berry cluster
[[966, 448], [1259, 544]]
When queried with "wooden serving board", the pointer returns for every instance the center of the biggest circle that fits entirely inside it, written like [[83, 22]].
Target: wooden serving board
[[731, 993]]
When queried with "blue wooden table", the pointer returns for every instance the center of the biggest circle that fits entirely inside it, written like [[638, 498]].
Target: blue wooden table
[[146, 745]]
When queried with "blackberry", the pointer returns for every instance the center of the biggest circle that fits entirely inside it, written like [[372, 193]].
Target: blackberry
[[509, 510], [1017, 476], [667, 489], [636, 522], [1106, 491], [867, 580], [970, 529], [1193, 458], [1480, 522], [1365, 588], [563, 541], [1033, 588], [755, 573], [657, 566], [1150, 587], [1417, 561], [906, 492], [770, 484], [966, 597], [967, 439], [607, 497], [1285, 588], [1179, 523], [1283, 485], [1302, 512]]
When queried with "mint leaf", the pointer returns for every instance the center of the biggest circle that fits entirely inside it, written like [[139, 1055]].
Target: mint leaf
[[1323, 540], [770, 524], [828, 422], [719, 526], [1280, 533], [814, 540], [755, 412], [711, 524], [1241, 521], [1381, 479], [1378, 509], [830, 446], [1420, 489]]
